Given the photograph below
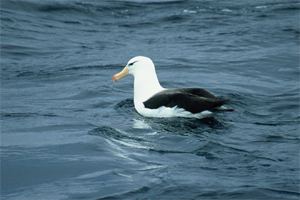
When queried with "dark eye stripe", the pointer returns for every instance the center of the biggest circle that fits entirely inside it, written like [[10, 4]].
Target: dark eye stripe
[[132, 63]]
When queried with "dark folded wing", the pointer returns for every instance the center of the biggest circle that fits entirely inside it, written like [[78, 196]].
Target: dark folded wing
[[192, 100]]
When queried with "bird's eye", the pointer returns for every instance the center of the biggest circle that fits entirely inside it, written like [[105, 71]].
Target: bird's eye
[[130, 64]]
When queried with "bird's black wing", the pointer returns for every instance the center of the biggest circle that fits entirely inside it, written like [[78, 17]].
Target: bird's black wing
[[186, 98]]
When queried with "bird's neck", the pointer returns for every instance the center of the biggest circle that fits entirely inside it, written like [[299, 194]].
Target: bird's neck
[[145, 87]]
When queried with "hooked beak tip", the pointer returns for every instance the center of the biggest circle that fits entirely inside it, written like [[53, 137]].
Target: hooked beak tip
[[120, 75], [114, 78]]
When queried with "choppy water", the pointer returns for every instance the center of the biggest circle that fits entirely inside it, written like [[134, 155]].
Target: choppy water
[[69, 132]]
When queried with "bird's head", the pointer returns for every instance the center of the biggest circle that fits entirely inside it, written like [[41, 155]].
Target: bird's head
[[136, 65]]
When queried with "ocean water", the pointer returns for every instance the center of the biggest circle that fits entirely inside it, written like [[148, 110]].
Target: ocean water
[[69, 132]]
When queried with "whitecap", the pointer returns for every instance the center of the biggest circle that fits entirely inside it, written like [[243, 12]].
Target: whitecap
[[190, 11], [227, 10], [260, 7]]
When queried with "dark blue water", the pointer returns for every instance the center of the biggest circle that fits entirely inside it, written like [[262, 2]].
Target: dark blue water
[[69, 132]]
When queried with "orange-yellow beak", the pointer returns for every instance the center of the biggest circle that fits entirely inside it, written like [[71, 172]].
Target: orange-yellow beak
[[120, 75]]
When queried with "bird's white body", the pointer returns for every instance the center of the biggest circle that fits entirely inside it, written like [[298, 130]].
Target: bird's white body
[[146, 83]]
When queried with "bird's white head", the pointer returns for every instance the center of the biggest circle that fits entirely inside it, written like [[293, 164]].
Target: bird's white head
[[137, 65]]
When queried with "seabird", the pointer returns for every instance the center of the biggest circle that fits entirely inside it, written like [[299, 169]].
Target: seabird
[[152, 100]]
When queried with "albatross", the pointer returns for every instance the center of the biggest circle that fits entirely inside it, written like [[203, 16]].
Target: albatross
[[152, 100]]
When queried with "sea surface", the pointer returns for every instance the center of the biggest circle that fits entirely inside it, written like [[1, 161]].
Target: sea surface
[[69, 132]]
